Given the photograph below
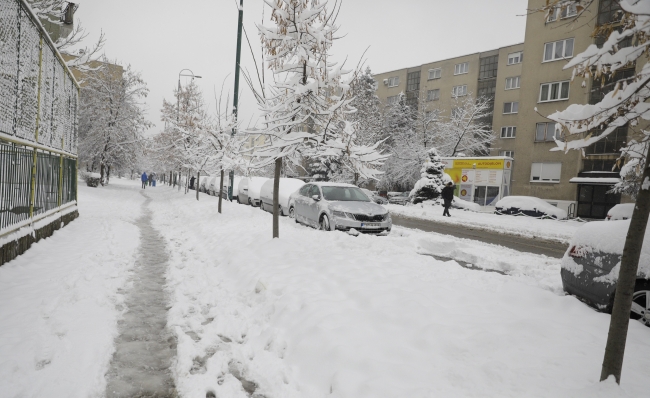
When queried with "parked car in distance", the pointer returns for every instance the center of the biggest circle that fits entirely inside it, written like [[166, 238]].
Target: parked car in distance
[[528, 206], [621, 211], [374, 197], [249, 190], [402, 198], [332, 206], [589, 269], [212, 186], [287, 187], [203, 180]]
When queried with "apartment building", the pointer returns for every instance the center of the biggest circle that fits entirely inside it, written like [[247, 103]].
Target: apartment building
[[527, 81]]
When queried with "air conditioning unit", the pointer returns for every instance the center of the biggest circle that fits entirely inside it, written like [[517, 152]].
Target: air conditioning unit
[[385, 82]]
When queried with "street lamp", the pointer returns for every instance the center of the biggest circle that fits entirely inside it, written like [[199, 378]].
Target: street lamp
[[193, 76]]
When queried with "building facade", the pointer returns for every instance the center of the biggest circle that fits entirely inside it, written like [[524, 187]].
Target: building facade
[[526, 82]]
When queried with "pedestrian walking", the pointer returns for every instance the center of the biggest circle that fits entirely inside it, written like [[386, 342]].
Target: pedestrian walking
[[448, 196], [192, 182], [149, 179], [144, 180], [153, 179]]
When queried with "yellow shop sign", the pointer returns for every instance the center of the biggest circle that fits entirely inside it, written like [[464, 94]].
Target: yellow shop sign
[[480, 163]]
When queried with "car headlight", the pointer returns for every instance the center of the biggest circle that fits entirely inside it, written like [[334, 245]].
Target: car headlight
[[342, 214]]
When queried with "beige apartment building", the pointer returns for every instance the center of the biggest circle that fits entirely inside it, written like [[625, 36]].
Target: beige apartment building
[[527, 82]]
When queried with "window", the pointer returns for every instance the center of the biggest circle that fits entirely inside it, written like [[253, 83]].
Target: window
[[487, 88], [393, 81], [488, 67], [545, 172], [508, 132], [304, 190], [435, 73], [433, 95], [515, 58], [568, 11], [459, 91], [546, 132], [393, 99], [413, 81], [512, 82], [314, 191], [460, 69], [609, 12], [560, 49], [611, 144], [554, 91], [510, 107], [510, 154]]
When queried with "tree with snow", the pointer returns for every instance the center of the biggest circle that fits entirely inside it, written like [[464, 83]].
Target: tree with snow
[[626, 104], [52, 11], [433, 180], [465, 130], [112, 119], [302, 109], [367, 116]]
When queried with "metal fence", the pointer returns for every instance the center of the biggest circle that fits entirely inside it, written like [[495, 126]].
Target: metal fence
[[38, 120]]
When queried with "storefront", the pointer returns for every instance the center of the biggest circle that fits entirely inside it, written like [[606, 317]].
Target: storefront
[[482, 180]]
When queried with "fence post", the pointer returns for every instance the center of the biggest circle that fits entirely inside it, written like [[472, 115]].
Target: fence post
[[32, 194], [60, 196]]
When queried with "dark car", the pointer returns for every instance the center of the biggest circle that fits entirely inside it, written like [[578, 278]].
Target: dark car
[[590, 267], [401, 198]]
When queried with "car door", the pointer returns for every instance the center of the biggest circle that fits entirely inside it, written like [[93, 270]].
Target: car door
[[312, 207], [300, 203]]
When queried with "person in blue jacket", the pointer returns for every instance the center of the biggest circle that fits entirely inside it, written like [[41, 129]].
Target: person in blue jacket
[[144, 179]]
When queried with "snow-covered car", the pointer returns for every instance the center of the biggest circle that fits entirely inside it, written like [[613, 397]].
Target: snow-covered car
[[590, 267], [249, 190], [620, 212], [212, 186], [287, 187], [203, 180], [458, 203], [375, 197], [331, 206], [400, 199], [528, 206]]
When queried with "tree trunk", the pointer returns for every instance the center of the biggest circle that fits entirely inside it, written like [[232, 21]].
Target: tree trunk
[[187, 183], [102, 172], [170, 178], [221, 190], [615, 348], [196, 184], [108, 174], [276, 198], [180, 179]]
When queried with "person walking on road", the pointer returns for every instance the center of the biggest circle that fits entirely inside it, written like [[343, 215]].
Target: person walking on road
[[144, 180], [448, 196]]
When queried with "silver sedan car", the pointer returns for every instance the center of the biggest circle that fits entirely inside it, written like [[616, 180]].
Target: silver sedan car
[[331, 206]]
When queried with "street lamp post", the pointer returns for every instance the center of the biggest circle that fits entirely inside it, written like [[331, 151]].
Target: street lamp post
[[178, 107], [235, 100]]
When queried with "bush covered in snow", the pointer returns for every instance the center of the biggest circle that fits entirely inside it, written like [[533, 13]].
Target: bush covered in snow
[[433, 179]]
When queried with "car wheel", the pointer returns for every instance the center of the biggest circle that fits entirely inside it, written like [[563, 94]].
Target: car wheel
[[325, 223], [262, 206], [641, 303], [249, 202], [292, 213]]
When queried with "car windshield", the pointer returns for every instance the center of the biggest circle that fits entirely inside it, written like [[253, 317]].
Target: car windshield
[[344, 194]]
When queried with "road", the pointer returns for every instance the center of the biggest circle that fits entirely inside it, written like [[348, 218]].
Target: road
[[536, 246]]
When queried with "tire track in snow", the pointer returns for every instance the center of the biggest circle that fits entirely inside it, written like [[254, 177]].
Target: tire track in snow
[[144, 348]]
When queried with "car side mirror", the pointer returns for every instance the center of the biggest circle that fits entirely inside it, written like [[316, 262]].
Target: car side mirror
[[315, 197]]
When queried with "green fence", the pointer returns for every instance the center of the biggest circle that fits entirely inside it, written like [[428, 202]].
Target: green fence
[[38, 120]]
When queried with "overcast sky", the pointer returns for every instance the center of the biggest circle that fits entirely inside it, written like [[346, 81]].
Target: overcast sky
[[159, 38]]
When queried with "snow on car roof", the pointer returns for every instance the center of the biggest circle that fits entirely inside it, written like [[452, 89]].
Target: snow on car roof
[[334, 184]]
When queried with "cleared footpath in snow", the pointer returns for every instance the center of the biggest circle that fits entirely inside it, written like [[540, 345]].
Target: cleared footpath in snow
[[325, 314], [144, 348]]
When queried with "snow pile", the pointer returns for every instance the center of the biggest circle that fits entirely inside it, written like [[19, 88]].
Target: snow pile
[[530, 203], [60, 301], [316, 314], [621, 211]]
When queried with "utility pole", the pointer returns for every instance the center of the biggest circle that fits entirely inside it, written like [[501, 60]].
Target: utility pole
[[235, 99]]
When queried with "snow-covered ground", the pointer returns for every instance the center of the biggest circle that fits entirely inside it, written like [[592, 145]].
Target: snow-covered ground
[[312, 314], [560, 231], [59, 300]]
